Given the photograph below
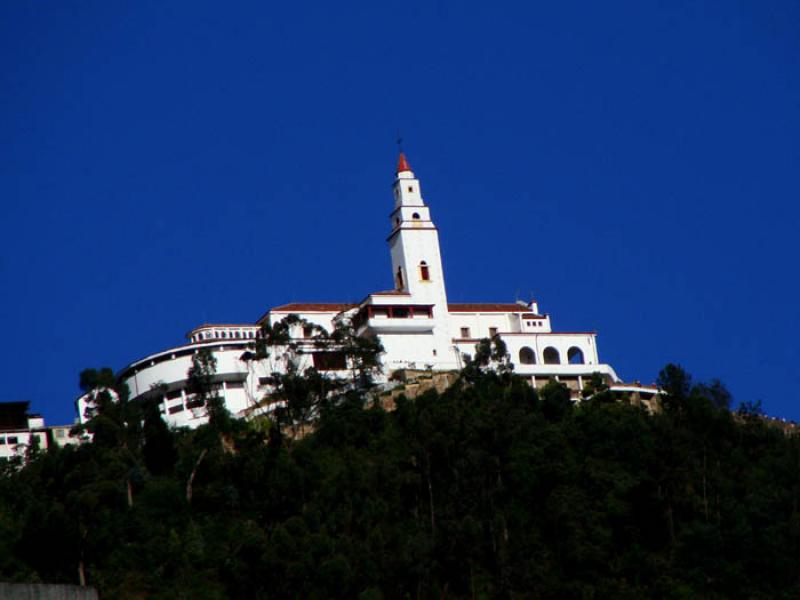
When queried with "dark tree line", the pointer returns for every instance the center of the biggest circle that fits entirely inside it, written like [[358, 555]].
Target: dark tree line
[[489, 490]]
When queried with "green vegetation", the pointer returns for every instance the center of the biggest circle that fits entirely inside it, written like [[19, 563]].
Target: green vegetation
[[486, 491]]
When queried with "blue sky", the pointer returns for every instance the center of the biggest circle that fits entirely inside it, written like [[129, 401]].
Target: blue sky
[[632, 165]]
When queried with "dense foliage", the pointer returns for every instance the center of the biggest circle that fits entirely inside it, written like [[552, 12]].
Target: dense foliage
[[485, 491]]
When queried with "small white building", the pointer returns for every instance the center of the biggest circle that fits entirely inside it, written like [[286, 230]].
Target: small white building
[[19, 430], [418, 327]]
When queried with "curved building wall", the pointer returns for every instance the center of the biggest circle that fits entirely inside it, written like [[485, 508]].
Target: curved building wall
[[237, 380]]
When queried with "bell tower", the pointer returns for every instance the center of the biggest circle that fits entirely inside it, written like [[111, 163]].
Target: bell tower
[[414, 246]]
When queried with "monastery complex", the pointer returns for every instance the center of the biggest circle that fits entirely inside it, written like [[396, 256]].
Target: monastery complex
[[421, 332], [419, 329]]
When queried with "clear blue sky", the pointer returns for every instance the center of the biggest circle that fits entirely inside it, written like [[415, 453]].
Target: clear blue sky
[[633, 165]]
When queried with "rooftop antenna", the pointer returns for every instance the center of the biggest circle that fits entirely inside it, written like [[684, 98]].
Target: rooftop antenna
[[399, 141]]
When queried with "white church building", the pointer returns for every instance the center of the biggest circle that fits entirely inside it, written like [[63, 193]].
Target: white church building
[[418, 327]]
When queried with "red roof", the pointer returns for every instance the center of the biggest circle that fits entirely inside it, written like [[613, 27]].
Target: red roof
[[486, 307], [390, 293], [402, 164], [314, 307]]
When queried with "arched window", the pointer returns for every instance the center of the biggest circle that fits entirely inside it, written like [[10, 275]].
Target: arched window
[[415, 216], [527, 356], [575, 356], [424, 271], [551, 356], [399, 277]]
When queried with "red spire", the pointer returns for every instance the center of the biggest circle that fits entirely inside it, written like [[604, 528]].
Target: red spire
[[402, 164]]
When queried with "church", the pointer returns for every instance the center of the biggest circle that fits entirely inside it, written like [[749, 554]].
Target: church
[[419, 329]]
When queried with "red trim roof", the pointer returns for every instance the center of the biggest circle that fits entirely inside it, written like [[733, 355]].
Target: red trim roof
[[486, 307], [390, 293], [314, 307]]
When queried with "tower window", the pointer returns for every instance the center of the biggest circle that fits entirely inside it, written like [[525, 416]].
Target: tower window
[[424, 271], [399, 278], [415, 216], [410, 189]]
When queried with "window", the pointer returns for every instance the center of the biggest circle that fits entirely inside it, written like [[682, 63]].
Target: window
[[465, 332], [575, 356], [415, 216], [410, 188], [424, 271], [60, 433], [400, 312], [434, 351], [492, 331], [176, 409], [527, 356], [13, 439], [329, 361], [235, 385], [308, 331], [399, 278], [2, 441], [551, 356]]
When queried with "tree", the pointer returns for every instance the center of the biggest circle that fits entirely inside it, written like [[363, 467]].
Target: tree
[[158, 444], [200, 381], [715, 392], [300, 394], [675, 384], [555, 401], [596, 389], [491, 357]]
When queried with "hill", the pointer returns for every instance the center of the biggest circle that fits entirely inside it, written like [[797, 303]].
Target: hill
[[487, 490]]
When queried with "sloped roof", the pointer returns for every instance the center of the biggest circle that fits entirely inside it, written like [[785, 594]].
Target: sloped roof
[[314, 307], [486, 307]]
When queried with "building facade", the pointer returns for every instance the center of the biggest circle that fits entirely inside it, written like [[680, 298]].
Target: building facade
[[418, 327], [19, 430]]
